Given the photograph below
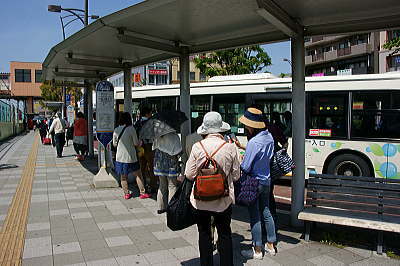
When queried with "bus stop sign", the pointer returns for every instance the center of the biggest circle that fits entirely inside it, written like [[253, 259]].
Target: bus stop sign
[[104, 112]]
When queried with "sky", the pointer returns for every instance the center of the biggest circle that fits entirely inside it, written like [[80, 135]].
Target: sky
[[29, 30]]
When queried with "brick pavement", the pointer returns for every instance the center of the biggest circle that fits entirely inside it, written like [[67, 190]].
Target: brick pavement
[[71, 223]]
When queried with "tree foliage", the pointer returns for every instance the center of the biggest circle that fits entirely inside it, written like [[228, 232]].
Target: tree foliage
[[53, 92], [237, 61], [393, 44]]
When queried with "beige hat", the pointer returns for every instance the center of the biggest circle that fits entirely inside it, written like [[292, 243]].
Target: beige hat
[[253, 117]]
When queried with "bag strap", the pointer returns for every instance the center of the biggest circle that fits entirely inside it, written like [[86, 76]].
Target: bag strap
[[120, 135], [215, 152]]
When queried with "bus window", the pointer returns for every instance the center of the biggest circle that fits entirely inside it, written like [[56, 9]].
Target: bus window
[[375, 115], [160, 104], [280, 107], [327, 115], [231, 107], [199, 106]]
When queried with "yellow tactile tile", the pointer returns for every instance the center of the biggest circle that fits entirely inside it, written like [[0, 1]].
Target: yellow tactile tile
[[12, 235]]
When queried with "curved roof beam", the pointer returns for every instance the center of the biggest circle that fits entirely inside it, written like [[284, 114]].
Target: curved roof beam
[[278, 17]]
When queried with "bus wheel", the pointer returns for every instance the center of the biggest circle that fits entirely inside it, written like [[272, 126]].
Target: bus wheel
[[348, 165]]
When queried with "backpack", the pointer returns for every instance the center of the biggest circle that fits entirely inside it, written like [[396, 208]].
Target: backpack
[[211, 182]]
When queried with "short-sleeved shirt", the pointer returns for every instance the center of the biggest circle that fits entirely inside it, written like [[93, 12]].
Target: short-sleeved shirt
[[126, 151]]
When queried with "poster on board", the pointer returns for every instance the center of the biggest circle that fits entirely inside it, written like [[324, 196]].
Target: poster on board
[[104, 112]]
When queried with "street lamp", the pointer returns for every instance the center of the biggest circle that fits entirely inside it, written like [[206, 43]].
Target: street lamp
[[87, 93], [63, 26], [287, 60], [82, 17]]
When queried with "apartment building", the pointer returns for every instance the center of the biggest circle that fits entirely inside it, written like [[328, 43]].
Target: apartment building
[[342, 55], [25, 81], [389, 60]]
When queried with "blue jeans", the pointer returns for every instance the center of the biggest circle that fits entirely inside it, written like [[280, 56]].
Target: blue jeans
[[260, 215]]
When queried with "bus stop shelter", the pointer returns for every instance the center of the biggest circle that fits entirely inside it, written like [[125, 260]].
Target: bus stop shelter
[[157, 30]]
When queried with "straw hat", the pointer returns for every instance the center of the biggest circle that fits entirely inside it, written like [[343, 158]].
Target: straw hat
[[212, 123], [252, 117]]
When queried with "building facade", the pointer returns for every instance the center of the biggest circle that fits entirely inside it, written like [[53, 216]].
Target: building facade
[[342, 55], [25, 81], [389, 60], [152, 74], [195, 75]]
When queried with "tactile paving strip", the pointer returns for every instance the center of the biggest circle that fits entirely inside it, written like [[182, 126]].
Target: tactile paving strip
[[12, 235]]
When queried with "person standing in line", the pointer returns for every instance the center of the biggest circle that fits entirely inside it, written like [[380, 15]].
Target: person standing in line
[[280, 142], [287, 116], [58, 128], [256, 163], [167, 149], [80, 136], [276, 120], [194, 137], [221, 208], [147, 160], [50, 122], [125, 140], [42, 130]]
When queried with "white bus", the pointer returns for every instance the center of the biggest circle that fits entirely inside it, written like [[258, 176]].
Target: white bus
[[352, 122]]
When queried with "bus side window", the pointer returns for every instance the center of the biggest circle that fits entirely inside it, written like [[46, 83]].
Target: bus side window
[[327, 115], [375, 115]]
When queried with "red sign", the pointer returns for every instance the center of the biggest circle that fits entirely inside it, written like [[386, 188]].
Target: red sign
[[136, 77], [320, 133], [314, 132], [158, 72]]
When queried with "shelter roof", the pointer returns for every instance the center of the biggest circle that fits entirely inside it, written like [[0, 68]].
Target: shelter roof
[[156, 30]]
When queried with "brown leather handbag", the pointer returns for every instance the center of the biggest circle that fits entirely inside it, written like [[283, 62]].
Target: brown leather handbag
[[211, 182]]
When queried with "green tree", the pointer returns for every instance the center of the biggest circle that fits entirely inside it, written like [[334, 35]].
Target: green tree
[[246, 60], [53, 92], [393, 44]]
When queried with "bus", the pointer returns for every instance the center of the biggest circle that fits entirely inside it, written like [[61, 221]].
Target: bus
[[352, 122]]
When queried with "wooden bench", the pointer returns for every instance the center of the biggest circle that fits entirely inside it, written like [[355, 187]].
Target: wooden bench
[[364, 202]]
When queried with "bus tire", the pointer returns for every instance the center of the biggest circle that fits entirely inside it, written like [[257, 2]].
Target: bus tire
[[348, 164]]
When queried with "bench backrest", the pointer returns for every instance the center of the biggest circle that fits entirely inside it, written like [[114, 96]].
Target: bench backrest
[[359, 194]]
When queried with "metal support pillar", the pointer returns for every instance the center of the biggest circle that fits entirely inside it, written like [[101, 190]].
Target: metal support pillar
[[85, 101], [64, 105], [298, 128], [184, 96], [90, 121], [128, 90]]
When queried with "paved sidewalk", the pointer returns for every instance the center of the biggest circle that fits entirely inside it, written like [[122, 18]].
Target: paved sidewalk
[[71, 223]]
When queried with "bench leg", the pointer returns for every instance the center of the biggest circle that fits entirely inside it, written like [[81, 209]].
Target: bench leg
[[379, 248], [307, 232]]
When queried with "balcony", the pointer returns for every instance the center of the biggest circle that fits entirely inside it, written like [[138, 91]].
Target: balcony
[[308, 59], [315, 41], [361, 49], [331, 55], [317, 57], [344, 51]]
